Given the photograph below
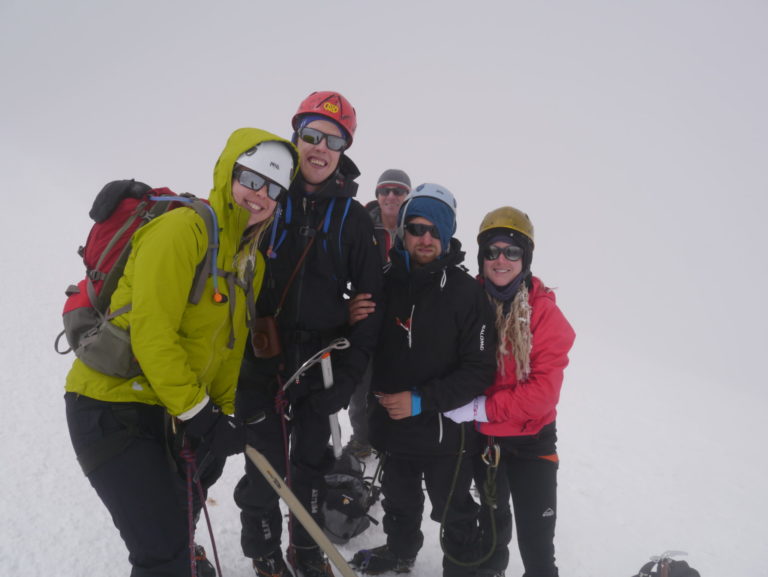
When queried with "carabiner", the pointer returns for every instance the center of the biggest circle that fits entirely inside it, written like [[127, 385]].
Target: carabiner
[[492, 454]]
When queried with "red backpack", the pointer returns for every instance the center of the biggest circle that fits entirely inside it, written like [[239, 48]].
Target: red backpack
[[119, 209]]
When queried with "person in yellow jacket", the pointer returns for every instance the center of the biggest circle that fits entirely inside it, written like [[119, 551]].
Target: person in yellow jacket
[[190, 356]]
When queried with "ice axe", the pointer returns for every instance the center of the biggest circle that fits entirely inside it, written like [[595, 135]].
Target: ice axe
[[323, 357], [298, 510], [336, 344], [325, 365]]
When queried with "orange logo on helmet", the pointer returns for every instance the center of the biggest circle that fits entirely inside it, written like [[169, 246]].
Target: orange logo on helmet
[[332, 108]]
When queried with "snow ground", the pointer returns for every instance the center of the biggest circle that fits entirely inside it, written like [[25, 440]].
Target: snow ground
[[633, 133], [651, 460]]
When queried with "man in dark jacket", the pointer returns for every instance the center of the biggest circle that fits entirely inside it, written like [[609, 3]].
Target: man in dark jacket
[[436, 350], [320, 242], [391, 191]]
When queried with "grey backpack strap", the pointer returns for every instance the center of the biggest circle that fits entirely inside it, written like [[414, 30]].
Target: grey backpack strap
[[208, 265], [205, 267], [231, 281], [250, 297], [101, 302]]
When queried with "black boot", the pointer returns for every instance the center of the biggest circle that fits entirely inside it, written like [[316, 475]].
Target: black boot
[[202, 565], [271, 565], [380, 560], [309, 562]]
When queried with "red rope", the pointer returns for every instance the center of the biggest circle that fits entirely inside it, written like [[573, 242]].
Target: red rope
[[189, 457], [281, 404]]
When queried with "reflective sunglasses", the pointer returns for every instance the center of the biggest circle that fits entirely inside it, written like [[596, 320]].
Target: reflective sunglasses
[[314, 136], [255, 181], [391, 190], [417, 229], [511, 252]]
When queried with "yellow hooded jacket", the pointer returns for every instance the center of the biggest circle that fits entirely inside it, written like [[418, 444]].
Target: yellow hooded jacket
[[183, 349]]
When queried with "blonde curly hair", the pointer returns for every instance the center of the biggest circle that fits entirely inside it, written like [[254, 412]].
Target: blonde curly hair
[[514, 330]]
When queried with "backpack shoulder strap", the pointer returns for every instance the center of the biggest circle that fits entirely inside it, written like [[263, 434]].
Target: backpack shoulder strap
[[101, 301], [334, 246], [208, 265]]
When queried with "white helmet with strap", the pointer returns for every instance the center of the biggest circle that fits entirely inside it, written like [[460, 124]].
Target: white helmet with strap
[[272, 160]]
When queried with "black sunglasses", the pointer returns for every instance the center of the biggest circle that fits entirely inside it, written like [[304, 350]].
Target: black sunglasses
[[314, 136], [417, 229], [511, 252], [391, 190], [255, 181]]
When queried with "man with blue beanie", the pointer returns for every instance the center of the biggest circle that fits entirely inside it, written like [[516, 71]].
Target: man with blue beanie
[[436, 350], [436, 205]]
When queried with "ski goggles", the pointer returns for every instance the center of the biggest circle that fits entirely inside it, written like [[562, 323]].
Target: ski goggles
[[314, 136], [510, 252], [417, 229], [255, 181], [387, 190]]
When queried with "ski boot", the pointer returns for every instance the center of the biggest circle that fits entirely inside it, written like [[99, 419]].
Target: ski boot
[[203, 567], [271, 565], [380, 560], [309, 562]]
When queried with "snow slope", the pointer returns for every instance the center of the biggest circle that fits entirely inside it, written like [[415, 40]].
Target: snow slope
[[634, 134], [652, 458]]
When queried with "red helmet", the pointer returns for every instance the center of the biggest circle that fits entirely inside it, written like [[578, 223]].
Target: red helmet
[[332, 105]]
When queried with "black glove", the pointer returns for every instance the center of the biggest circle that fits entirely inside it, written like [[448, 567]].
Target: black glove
[[217, 433], [330, 401]]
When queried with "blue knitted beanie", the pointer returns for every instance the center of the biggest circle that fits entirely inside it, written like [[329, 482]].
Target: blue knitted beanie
[[436, 212]]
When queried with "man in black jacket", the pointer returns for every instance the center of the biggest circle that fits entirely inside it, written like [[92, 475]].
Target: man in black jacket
[[391, 190], [436, 350], [320, 219]]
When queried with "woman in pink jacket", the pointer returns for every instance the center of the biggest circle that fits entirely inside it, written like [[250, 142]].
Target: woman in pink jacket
[[517, 412]]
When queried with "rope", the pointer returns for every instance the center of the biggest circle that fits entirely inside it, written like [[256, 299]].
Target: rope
[[189, 457], [489, 489], [281, 404]]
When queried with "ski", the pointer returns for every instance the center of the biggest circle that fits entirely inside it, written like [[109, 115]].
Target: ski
[[298, 510]]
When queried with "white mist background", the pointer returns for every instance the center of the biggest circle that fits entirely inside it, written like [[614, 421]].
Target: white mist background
[[633, 133]]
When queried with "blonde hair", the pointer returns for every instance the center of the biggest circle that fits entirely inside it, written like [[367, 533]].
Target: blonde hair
[[245, 259], [514, 330]]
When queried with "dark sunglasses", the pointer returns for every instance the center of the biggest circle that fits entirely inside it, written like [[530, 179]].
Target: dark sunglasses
[[417, 229], [314, 136], [255, 181], [510, 252], [392, 190]]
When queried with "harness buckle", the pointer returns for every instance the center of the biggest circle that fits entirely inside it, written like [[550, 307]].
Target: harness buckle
[[307, 231]]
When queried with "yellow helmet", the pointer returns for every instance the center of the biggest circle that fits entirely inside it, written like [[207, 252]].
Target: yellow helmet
[[506, 217]]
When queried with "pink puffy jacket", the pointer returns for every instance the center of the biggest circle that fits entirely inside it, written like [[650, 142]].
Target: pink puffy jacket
[[517, 409]]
